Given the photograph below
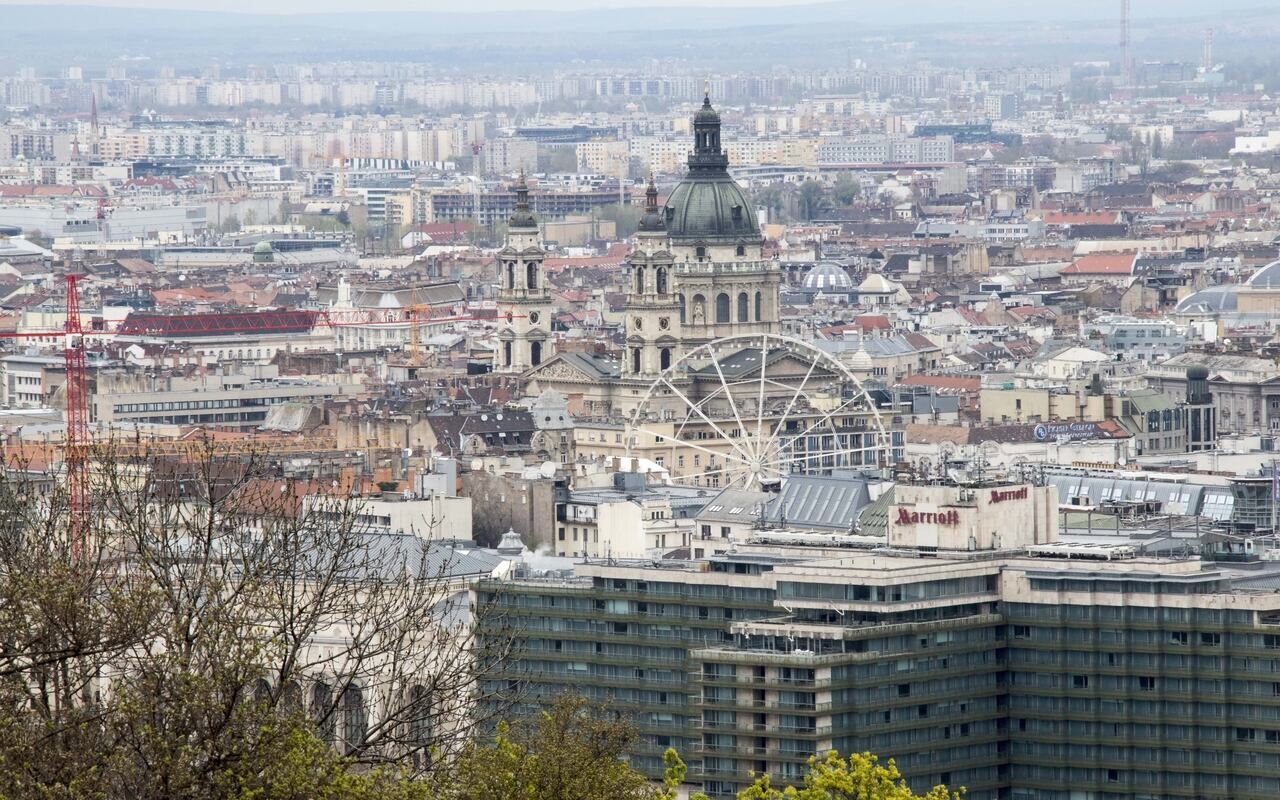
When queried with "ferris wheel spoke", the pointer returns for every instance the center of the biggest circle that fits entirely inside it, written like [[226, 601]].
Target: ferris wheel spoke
[[764, 360], [807, 456], [677, 443], [782, 419], [738, 473], [698, 410], [829, 415], [771, 450], [733, 404]]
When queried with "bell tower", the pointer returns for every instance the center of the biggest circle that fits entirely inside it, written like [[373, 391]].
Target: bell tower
[[652, 308], [725, 283], [524, 301]]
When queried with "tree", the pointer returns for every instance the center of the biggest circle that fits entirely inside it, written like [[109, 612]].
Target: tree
[[626, 218], [812, 197], [773, 199], [860, 777], [224, 633], [845, 190], [572, 751], [343, 218]]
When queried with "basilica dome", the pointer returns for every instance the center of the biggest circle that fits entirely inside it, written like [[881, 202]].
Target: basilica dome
[[708, 205]]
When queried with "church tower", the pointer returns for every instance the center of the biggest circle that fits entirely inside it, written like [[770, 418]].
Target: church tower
[[652, 308], [524, 302], [724, 285]]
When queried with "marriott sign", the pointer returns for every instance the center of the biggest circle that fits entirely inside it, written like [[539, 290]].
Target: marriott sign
[[948, 517]]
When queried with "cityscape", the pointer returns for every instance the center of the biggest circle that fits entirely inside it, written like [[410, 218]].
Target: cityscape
[[535, 401]]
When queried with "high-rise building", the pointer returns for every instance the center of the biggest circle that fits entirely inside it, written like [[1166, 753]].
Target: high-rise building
[[966, 642]]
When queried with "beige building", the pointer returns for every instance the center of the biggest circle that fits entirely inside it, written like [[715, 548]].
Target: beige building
[[1039, 404], [610, 524], [990, 517]]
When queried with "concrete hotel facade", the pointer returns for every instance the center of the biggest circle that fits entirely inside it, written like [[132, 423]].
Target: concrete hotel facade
[[1037, 671]]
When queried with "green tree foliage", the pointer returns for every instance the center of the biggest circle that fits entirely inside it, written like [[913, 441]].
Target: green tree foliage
[[845, 190], [573, 751], [813, 196], [171, 654], [773, 198], [859, 777], [625, 218]]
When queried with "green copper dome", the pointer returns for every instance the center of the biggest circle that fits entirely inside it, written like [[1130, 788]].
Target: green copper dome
[[705, 208], [708, 205]]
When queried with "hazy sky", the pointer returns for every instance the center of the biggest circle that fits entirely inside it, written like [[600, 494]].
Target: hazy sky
[[298, 6]]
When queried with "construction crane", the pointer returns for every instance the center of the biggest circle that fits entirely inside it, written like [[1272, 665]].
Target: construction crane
[[77, 394], [415, 311], [77, 438]]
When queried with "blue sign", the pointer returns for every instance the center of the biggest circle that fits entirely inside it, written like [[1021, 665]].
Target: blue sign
[[1066, 430]]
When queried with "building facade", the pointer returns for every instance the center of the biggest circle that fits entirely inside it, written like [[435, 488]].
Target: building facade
[[983, 655]]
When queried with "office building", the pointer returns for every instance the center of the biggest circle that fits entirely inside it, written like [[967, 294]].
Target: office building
[[967, 642]]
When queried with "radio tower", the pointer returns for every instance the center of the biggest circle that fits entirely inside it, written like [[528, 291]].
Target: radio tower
[[1207, 58], [77, 423], [1126, 64]]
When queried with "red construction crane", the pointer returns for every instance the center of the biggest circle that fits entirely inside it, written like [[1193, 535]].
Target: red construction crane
[[78, 439], [77, 396]]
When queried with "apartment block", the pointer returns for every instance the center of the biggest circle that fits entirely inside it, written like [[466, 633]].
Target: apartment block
[[969, 644]]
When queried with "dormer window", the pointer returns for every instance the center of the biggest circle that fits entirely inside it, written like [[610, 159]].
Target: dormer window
[[742, 251], [737, 213]]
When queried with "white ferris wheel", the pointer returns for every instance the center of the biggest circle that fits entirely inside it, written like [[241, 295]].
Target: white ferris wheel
[[749, 410]]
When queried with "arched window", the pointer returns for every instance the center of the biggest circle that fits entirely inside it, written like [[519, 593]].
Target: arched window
[[635, 360], [665, 358], [743, 308], [742, 251], [322, 711], [355, 719], [506, 354], [531, 275], [639, 280], [420, 726], [722, 307], [535, 353], [662, 280], [700, 252], [291, 698], [681, 296], [511, 274], [261, 692], [759, 306]]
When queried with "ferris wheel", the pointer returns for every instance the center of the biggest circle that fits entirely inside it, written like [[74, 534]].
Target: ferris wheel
[[749, 410]]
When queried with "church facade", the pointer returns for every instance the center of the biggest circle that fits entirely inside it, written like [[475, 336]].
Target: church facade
[[697, 273]]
